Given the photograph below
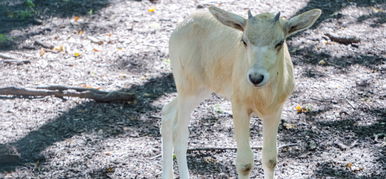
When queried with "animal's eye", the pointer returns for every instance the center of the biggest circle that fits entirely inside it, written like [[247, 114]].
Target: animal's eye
[[278, 45], [245, 43]]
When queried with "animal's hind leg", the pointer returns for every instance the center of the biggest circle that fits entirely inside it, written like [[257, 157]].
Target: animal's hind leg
[[186, 105], [169, 114]]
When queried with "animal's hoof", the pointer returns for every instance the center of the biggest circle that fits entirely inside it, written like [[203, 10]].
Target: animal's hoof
[[246, 169]]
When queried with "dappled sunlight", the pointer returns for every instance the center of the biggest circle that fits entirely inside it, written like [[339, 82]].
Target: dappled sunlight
[[332, 126]]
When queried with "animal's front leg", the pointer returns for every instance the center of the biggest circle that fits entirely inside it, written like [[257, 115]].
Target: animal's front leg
[[244, 160], [270, 128]]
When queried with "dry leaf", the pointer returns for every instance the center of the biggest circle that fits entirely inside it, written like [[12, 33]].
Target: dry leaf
[[123, 76], [147, 94], [81, 110], [154, 25], [88, 86], [42, 51], [85, 86], [322, 62], [301, 109], [95, 40], [353, 167], [298, 108], [348, 165], [166, 60], [377, 10], [81, 32], [76, 18], [96, 50], [289, 126], [357, 169], [59, 48], [210, 160], [109, 170], [77, 54], [325, 42]]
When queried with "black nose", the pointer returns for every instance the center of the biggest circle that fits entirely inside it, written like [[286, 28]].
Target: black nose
[[256, 79]]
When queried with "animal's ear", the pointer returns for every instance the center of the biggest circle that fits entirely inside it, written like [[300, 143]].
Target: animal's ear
[[302, 21], [228, 19]]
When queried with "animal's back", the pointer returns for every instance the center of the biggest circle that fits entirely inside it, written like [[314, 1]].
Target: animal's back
[[202, 52]]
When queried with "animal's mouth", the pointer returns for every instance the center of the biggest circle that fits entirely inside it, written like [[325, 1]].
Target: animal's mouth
[[259, 85], [263, 84]]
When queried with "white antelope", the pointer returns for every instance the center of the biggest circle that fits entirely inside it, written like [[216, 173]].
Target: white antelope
[[245, 60]]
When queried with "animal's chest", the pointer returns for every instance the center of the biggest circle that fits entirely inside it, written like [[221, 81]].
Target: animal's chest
[[225, 92], [218, 76]]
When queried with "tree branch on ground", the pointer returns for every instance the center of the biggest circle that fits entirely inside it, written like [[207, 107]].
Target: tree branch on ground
[[63, 91], [343, 40], [232, 148], [17, 62], [10, 59], [40, 43], [6, 56]]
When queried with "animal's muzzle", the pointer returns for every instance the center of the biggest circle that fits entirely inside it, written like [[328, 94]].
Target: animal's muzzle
[[256, 79]]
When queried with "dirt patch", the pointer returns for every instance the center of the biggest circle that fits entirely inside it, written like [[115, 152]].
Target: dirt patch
[[342, 86]]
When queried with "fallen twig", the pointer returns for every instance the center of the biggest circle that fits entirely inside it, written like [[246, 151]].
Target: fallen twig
[[63, 88], [343, 40], [5, 56], [95, 40], [12, 60], [211, 149], [350, 104], [232, 148], [343, 146], [17, 62], [39, 43], [62, 91], [154, 157], [288, 145]]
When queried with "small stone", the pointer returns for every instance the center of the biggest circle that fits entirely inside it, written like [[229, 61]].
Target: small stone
[[200, 6], [312, 145], [322, 62], [37, 22]]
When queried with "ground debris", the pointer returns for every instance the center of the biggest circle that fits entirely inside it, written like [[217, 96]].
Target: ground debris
[[42, 44], [9, 59], [343, 39], [135, 43], [63, 91]]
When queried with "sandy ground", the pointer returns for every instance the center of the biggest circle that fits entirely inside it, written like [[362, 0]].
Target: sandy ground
[[342, 86]]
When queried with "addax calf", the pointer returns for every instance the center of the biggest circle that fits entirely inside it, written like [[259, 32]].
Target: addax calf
[[245, 60]]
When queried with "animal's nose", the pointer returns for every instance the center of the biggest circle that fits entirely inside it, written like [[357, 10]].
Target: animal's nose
[[256, 79]]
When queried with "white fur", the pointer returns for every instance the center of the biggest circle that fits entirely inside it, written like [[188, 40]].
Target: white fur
[[206, 57]]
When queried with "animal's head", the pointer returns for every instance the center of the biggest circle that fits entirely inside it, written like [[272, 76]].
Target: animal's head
[[263, 38]]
